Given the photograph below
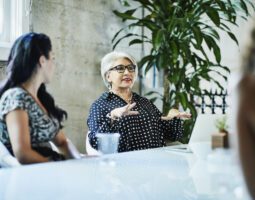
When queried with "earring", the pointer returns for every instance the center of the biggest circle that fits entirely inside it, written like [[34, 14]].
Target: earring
[[109, 86]]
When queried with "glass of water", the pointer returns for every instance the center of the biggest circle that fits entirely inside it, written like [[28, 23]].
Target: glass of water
[[108, 142]]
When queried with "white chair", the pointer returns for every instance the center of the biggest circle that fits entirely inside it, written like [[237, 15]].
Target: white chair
[[75, 153], [89, 149], [6, 159]]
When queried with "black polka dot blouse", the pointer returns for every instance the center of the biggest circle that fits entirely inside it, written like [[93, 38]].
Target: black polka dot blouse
[[143, 131]]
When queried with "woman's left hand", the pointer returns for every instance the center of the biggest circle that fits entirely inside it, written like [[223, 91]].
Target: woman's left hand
[[176, 113]]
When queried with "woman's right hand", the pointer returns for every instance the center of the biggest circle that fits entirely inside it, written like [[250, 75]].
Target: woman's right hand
[[123, 111]]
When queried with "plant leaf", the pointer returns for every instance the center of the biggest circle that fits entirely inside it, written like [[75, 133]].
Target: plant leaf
[[126, 15], [213, 15], [135, 41], [126, 36], [145, 59], [217, 53], [157, 39], [183, 99], [198, 35], [116, 34], [244, 7], [233, 37]]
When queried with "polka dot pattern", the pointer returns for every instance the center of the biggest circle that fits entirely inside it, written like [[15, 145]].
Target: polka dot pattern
[[143, 131]]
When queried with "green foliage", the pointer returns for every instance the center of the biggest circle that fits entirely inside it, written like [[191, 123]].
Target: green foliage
[[180, 33], [221, 124]]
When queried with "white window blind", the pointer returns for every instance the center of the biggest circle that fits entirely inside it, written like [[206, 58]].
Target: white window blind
[[13, 23]]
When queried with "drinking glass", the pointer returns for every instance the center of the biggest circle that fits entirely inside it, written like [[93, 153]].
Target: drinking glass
[[108, 142]]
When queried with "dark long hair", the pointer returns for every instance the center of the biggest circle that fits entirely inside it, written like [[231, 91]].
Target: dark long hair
[[22, 63]]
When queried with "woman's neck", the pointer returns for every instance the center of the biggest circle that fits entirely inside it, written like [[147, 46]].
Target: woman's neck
[[125, 94], [32, 86]]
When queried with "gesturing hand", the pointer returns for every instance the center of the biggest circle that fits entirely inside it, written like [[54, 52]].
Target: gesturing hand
[[123, 111], [176, 113]]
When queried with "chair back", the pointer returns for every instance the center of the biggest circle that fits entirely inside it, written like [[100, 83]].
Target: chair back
[[6, 159]]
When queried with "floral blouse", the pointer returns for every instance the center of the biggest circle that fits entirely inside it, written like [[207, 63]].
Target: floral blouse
[[42, 127], [143, 131]]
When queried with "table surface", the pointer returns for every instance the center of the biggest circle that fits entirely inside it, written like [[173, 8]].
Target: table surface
[[140, 175]]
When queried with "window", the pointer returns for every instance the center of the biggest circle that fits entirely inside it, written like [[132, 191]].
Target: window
[[13, 22]]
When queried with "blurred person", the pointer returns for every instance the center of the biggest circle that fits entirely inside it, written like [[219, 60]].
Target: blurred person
[[246, 118]]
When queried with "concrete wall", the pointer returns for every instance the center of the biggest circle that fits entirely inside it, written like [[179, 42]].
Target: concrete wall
[[81, 33]]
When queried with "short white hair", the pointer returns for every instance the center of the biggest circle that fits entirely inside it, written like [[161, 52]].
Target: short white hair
[[108, 60]]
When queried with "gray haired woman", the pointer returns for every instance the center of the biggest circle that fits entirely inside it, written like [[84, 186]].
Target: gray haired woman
[[137, 120]]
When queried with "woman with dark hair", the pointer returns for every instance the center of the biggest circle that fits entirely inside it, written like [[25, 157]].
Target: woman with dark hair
[[29, 118], [246, 118]]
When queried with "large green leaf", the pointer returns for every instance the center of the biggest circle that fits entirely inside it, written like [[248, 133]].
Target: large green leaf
[[157, 40], [198, 35], [116, 34], [150, 64], [213, 33], [209, 41], [213, 15], [123, 37], [135, 41], [194, 83], [183, 99], [146, 59], [128, 15], [174, 49], [192, 108], [162, 60], [217, 53], [244, 7], [222, 5], [222, 67], [233, 37]]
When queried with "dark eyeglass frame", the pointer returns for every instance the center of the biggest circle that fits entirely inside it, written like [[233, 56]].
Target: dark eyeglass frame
[[122, 68]]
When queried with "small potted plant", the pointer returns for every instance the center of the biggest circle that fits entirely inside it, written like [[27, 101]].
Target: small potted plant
[[220, 139], [222, 125]]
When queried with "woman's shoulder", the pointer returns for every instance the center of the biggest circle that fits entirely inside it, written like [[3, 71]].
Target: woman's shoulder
[[14, 93], [102, 99], [12, 99]]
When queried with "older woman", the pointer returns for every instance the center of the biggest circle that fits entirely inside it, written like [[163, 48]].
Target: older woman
[[139, 122], [29, 118]]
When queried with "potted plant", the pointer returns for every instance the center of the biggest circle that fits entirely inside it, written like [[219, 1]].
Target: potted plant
[[221, 125], [221, 138], [179, 33]]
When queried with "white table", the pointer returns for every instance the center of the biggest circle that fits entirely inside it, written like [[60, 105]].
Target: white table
[[155, 174]]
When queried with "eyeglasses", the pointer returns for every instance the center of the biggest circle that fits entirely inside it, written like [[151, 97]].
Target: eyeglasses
[[122, 68]]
